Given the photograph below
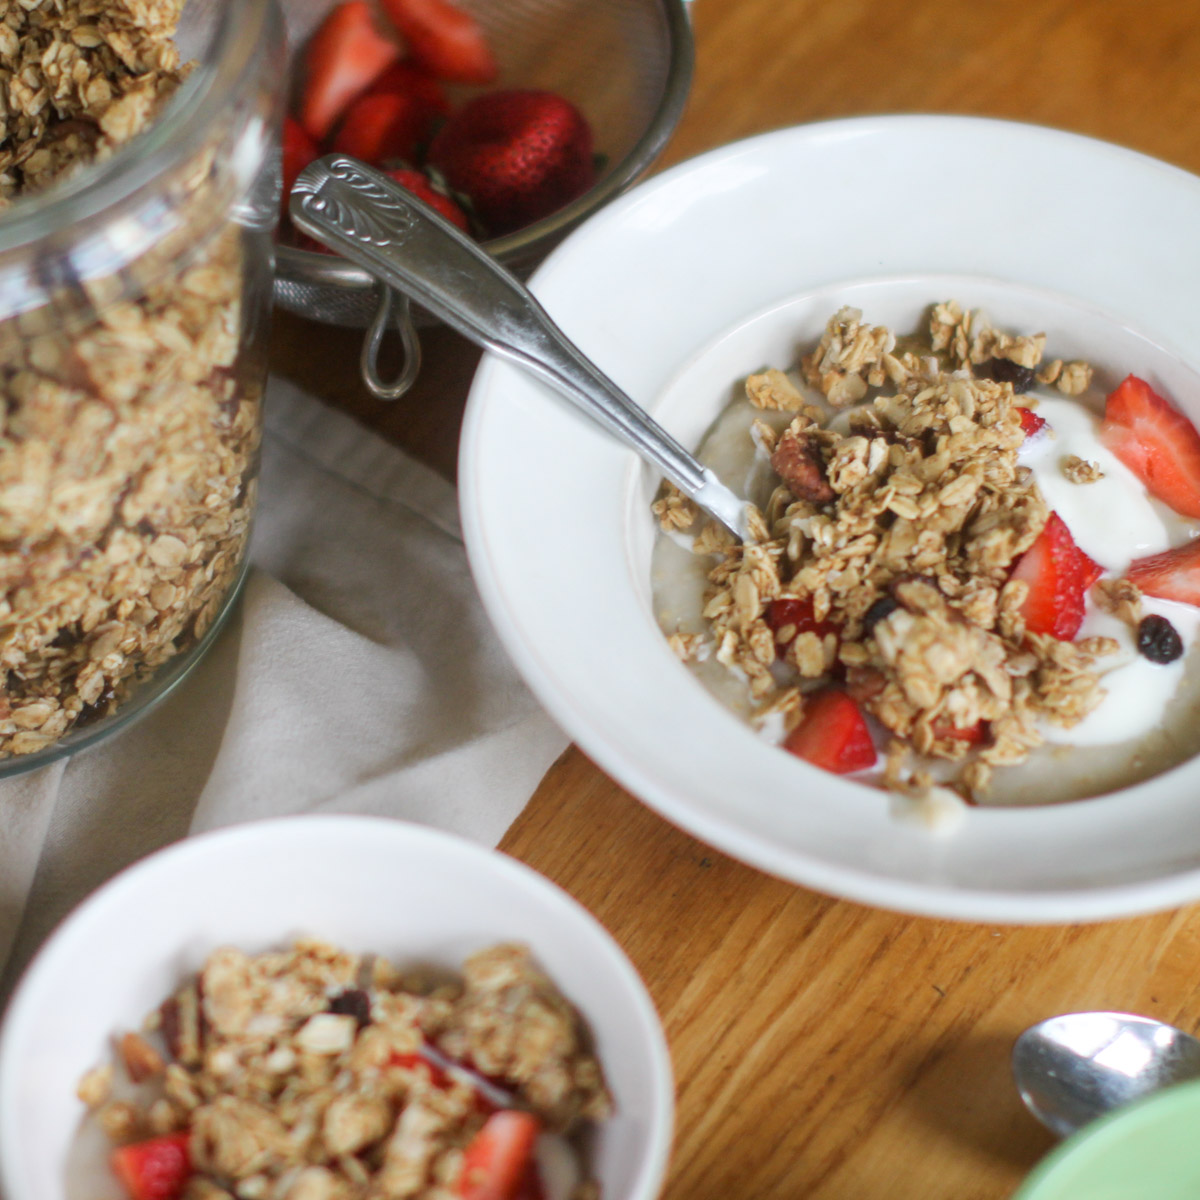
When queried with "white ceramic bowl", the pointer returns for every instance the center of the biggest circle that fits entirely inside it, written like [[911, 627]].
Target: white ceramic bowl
[[410, 893], [725, 264]]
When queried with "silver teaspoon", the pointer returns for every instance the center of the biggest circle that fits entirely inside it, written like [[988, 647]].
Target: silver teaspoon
[[372, 221], [1074, 1068]]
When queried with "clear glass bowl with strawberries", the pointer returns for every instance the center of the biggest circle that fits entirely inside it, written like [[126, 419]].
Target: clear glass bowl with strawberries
[[515, 120]]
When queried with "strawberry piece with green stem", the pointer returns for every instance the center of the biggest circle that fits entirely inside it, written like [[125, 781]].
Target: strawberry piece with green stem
[[344, 57], [1058, 574], [444, 39], [833, 734], [1156, 442], [519, 155], [499, 1158], [156, 1169]]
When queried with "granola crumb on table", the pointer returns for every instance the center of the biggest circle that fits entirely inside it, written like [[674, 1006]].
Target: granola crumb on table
[[298, 1074], [128, 444], [900, 527]]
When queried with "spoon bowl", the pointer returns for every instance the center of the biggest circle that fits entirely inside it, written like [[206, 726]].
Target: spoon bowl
[[1073, 1068]]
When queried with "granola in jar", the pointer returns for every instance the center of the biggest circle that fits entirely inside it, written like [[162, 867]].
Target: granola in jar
[[131, 375], [957, 542], [316, 1074]]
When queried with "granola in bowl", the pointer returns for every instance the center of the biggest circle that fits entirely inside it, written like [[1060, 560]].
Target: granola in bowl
[[957, 560], [315, 1074]]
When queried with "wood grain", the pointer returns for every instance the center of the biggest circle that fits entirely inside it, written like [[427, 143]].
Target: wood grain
[[823, 1049]]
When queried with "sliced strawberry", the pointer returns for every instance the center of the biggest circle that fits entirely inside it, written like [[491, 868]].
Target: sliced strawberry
[[344, 57], [418, 1062], [1059, 575], [445, 40], [796, 614], [1171, 575], [497, 1160], [298, 151], [531, 1187], [423, 189], [1031, 423], [833, 735], [154, 1170], [972, 735], [383, 126], [1156, 442], [411, 79]]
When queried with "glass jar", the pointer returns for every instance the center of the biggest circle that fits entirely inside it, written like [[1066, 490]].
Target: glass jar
[[135, 293]]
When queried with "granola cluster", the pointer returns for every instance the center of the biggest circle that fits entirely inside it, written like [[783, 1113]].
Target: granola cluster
[[303, 1074], [897, 523], [128, 444]]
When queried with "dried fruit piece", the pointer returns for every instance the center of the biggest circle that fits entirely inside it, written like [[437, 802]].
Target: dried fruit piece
[[797, 460], [833, 735], [1004, 370], [1158, 640], [353, 1002], [1058, 574], [879, 611], [1156, 442]]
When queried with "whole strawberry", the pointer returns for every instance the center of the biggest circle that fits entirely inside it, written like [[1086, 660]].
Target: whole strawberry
[[519, 156]]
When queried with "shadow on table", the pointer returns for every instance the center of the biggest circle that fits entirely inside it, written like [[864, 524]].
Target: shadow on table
[[969, 1097]]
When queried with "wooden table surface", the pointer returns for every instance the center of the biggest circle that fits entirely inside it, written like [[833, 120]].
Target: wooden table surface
[[823, 1049]]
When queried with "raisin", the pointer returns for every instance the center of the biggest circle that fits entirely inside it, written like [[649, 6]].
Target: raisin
[[1157, 639], [353, 1002], [1004, 370], [881, 609]]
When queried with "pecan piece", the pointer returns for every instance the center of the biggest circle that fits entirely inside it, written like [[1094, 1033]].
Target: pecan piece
[[797, 459]]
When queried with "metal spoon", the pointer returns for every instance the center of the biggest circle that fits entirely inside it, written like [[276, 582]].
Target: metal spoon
[[1074, 1068], [369, 219]]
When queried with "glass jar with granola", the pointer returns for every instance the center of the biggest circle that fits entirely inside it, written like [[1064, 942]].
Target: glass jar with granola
[[138, 196]]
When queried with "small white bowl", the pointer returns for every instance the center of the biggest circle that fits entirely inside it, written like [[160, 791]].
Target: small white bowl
[[407, 892]]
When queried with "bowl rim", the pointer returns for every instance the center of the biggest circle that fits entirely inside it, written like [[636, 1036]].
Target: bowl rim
[[152, 874], [992, 903]]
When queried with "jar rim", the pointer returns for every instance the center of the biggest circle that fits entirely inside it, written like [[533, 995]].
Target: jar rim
[[174, 137]]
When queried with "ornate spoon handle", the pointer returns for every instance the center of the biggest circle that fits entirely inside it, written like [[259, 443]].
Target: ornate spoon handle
[[369, 219]]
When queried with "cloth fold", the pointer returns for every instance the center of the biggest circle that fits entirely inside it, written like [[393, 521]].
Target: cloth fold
[[358, 674]]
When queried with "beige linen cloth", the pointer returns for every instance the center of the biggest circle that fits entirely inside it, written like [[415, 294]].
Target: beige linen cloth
[[358, 675]]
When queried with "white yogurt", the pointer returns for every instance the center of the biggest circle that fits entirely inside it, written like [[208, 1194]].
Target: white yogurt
[[1113, 521]]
